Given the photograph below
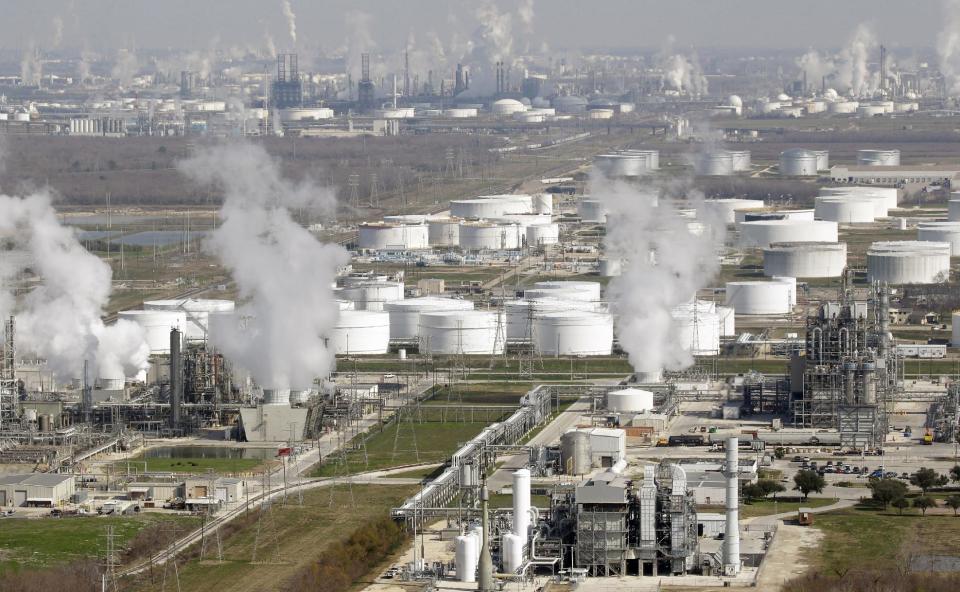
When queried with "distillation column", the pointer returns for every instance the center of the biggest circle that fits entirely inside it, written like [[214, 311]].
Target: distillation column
[[731, 540]]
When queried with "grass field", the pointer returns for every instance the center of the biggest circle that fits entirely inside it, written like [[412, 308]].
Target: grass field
[[190, 465], [290, 537], [783, 503], [499, 393], [429, 441], [37, 543]]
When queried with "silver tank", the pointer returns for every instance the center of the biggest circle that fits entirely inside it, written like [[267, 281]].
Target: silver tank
[[575, 452]]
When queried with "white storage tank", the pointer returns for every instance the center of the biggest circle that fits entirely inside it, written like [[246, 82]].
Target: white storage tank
[[869, 110], [805, 260], [698, 330], [652, 156], [741, 160], [543, 203], [156, 326], [507, 107], [573, 333], [491, 206], [726, 209], [715, 163], [955, 319], [843, 107], [466, 552], [571, 289], [378, 236], [460, 112], [792, 283], [621, 165], [372, 295], [629, 400], [891, 194], [763, 233], [470, 332], [947, 232], [872, 157], [798, 162], [520, 312], [772, 214], [823, 159], [592, 211], [953, 212], [475, 236], [543, 234], [405, 314], [845, 209], [908, 262], [728, 322], [758, 298], [361, 332], [197, 313], [443, 232]]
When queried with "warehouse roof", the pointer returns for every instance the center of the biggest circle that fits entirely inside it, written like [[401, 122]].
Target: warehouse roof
[[37, 479]]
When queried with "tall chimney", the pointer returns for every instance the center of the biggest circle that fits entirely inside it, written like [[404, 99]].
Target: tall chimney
[[731, 539], [176, 378], [485, 569]]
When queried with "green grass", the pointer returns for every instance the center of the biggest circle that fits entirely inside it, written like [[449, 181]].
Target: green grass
[[775, 474], [782, 504], [189, 465], [423, 473], [481, 394], [505, 500], [49, 541], [433, 441]]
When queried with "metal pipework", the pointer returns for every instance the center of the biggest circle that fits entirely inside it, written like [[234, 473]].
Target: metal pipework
[[731, 540]]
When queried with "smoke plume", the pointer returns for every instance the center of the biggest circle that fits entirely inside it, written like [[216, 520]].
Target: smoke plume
[[125, 67], [283, 274], [665, 262], [31, 67], [948, 46], [60, 318], [57, 32], [853, 75], [291, 20]]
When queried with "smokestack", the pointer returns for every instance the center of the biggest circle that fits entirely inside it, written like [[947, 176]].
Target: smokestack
[[521, 503], [485, 569], [176, 379], [731, 539]]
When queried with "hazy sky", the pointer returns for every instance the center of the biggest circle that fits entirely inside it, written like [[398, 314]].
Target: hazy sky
[[105, 24]]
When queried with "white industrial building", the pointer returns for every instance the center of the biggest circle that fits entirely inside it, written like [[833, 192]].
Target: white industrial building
[[763, 233], [760, 298], [805, 260], [894, 175], [908, 262], [36, 489]]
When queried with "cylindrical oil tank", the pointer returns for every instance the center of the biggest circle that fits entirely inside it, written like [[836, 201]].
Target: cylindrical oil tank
[[405, 219], [728, 323], [791, 282], [156, 326], [892, 194], [460, 112], [573, 333], [608, 267], [946, 232], [798, 162], [276, 396], [955, 319], [543, 203], [491, 206], [443, 232], [845, 209], [465, 553], [741, 160], [592, 211], [908, 262], [697, 330], [45, 423], [520, 313], [197, 310], [591, 288], [512, 546], [714, 163], [507, 107], [471, 332], [629, 400], [870, 110], [476, 236], [621, 165], [758, 298], [725, 209], [111, 384], [772, 214], [763, 233], [873, 157], [843, 107], [379, 236], [953, 212], [652, 156], [372, 295], [543, 234], [805, 260], [361, 332], [823, 159], [405, 314], [575, 452]]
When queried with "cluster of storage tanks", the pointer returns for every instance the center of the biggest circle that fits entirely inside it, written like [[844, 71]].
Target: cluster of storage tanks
[[831, 102], [191, 316], [491, 222], [627, 163]]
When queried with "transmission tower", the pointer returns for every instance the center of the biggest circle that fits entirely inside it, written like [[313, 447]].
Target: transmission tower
[[374, 191], [110, 561], [342, 469], [353, 182], [406, 417], [528, 357], [450, 159], [403, 194], [266, 534], [171, 561]]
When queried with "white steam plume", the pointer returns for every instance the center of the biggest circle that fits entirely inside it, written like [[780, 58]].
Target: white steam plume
[[125, 67], [525, 11], [816, 67], [31, 67], [291, 20], [948, 46], [853, 75], [57, 31], [60, 319], [359, 39], [284, 275], [665, 262]]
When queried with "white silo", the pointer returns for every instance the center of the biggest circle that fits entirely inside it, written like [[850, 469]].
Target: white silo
[[763, 233], [823, 159], [953, 212], [443, 232], [405, 314], [471, 332], [758, 298], [714, 163], [791, 282], [592, 211], [629, 400], [573, 333], [542, 234], [361, 332], [845, 209], [741, 160], [798, 162], [805, 260], [872, 157], [726, 209], [476, 236], [543, 203], [156, 326], [908, 262], [947, 232], [465, 557]]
